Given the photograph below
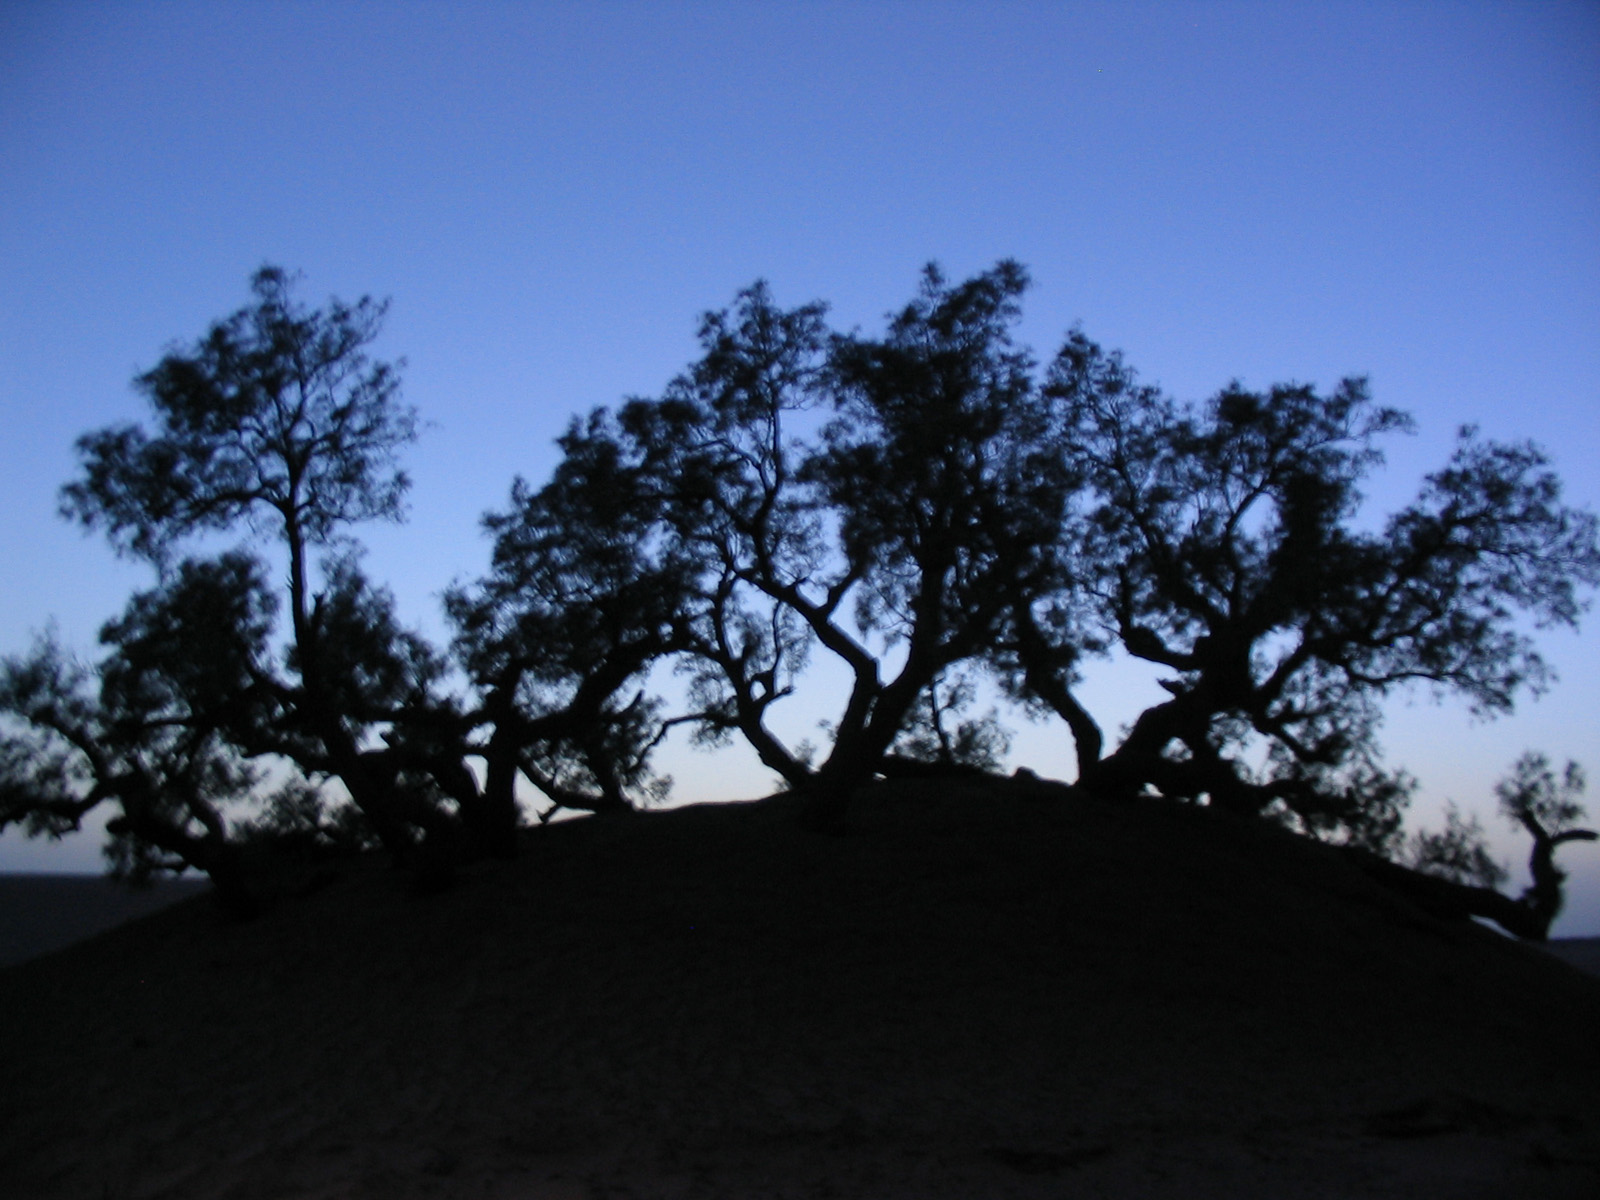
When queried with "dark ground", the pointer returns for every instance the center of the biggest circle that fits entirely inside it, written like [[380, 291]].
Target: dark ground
[[980, 990], [42, 913]]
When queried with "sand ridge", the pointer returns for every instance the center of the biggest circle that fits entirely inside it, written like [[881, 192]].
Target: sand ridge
[[981, 989]]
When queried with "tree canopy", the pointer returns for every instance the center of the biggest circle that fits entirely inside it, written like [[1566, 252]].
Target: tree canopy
[[927, 507], [1219, 541]]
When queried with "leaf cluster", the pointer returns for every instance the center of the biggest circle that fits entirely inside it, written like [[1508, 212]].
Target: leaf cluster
[[927, 508]]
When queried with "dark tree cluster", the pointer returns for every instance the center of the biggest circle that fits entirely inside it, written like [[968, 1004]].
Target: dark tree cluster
[[928, 508]]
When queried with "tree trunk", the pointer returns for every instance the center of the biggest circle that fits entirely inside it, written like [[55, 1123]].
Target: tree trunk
[[1545, 896], [862, 746], [218, 861], [1046, 680], [495, 826], [1456, 901]]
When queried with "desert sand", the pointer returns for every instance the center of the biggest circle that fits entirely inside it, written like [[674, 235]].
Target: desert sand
[[995, 989], [44, 912]]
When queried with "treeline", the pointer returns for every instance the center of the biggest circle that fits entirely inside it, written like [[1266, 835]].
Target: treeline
[[929, 508]]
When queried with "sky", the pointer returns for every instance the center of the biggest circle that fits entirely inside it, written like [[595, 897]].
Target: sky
[[550, 195]]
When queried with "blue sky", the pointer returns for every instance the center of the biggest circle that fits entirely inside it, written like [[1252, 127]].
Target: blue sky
[[552, 193]]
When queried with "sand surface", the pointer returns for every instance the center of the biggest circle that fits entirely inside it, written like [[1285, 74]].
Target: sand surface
[[987, 990], [41, 913]]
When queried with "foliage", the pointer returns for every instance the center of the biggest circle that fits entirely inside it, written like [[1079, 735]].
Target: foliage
[[892, 534], [1547, 808], [1535, 798], [276, 418], [1457, 852], [68, 747], [278, 424], [921, 507], [1218, 541], [580, 600], [936, 733]]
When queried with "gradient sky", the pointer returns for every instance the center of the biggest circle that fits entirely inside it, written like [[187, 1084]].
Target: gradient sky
[[552, 193]]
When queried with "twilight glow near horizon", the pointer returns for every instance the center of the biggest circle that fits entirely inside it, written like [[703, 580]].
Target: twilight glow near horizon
[[551, 194]]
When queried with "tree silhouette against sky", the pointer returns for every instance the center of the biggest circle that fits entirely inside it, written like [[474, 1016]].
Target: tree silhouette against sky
[[923, 507]]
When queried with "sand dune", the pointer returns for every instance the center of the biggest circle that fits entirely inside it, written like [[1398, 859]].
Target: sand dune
[[980, 990], [41, 913], [1583, 953]]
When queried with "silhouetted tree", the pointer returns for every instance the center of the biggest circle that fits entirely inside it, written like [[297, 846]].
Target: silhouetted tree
[[147, 731], [581, 601], [1457, 852], [1219, 542], [278, 422], [917, 506], [887, 536], [1548, 809], [1452, 874], [944, 492], [937, 739], [716, 465]]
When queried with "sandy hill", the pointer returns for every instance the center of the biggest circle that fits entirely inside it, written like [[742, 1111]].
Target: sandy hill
[[43, 912], [994, 989]]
